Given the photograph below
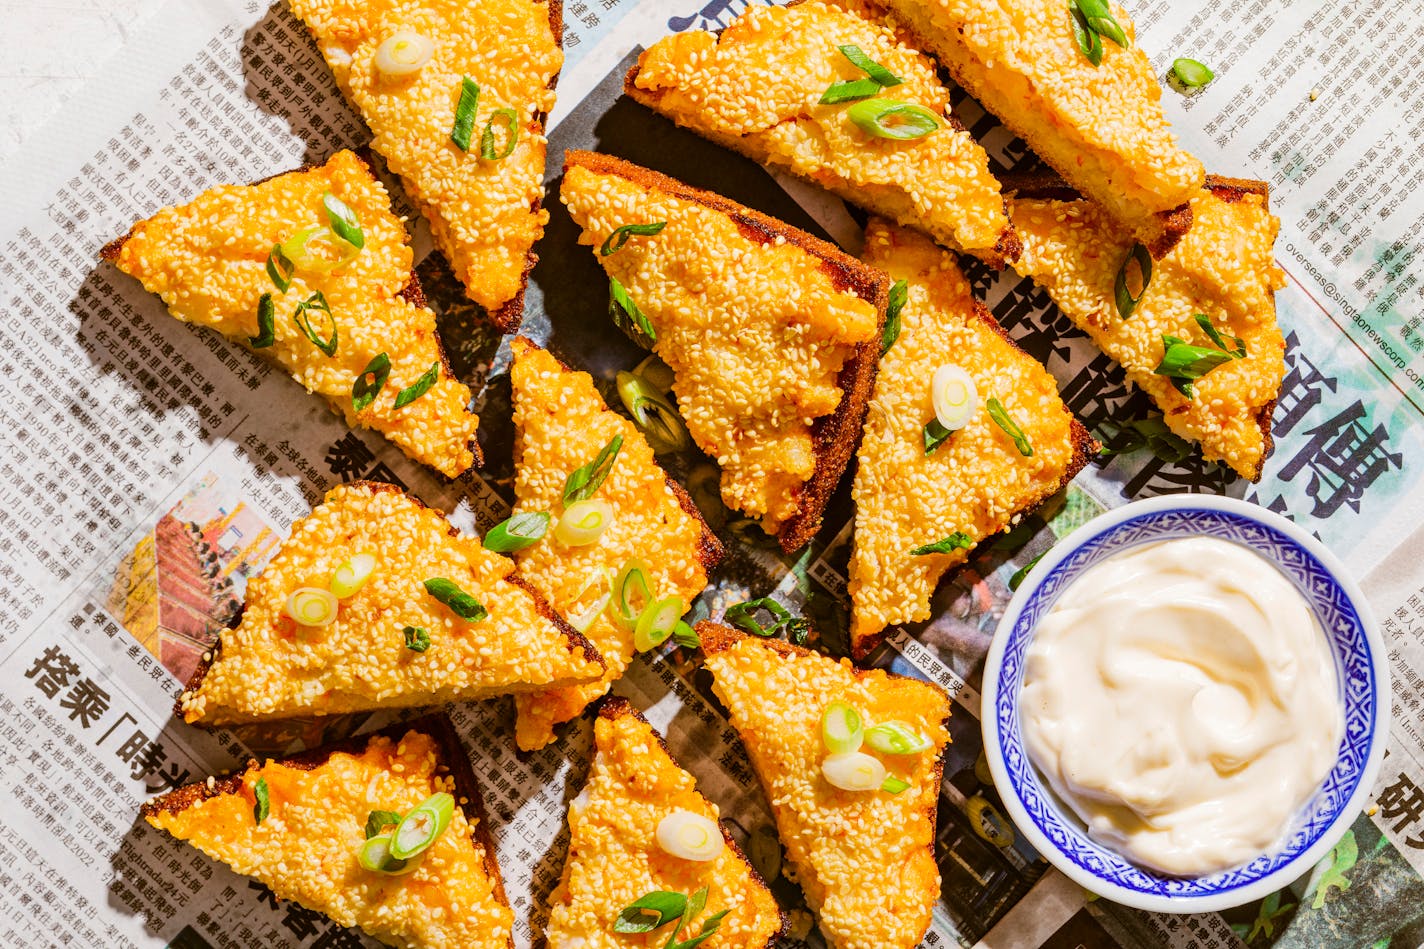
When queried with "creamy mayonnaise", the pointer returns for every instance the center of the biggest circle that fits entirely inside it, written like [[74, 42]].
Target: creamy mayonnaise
[[1181, 699]]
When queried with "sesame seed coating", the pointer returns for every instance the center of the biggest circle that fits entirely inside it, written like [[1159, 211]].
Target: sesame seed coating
[[756, 89], [561, 423], [1224, 268], [306, 849], [976, 481], [208, 261], [484, 214], [269, 667]]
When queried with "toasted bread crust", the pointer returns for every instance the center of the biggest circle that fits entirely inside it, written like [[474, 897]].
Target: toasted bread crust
[[836, 436]]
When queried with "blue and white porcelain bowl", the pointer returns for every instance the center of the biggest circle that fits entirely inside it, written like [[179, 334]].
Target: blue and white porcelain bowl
[[1362, 677]]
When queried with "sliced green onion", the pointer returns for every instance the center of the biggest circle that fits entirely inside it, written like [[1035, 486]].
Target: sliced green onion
[[404, 53], [850, 90], [657, 622], [743, 616], [419, 387], [842, 730], [344, 222], [651, 911], [1089, 42], [654, 415], [583, 619], [632, 593], [1183, 363], [870, 67], [956, 541], [585, 480], [627, 317], [1126, 302], [685, 636], [896, 738], [351, 575], [1018, 578], [370, 382], [460, 603], [310, 606], [1099, 18], [955, 397], [899, 293], [280, 268], [1010, 427], [316, 303], [422, 826], [511, 125], [465, 110], [854, 771], [378, 821], [263, 805], [266, 323], [417, 638], [516, 533], [656, 373], [620, 236], [375, 855], [583, 522], [690, 836], [894, 785], [935, 435], [1191, 73], [1214, 335], [890, 118], [303, 253]]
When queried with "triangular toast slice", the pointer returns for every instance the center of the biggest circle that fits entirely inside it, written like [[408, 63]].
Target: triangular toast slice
[[484, 211], [772, 334], [561, 423], [864, 859], [1101, 127], [1224, 269], [615, 858], [208, 260], [756, 88], [306, 845], [395, 642], [976, 481]]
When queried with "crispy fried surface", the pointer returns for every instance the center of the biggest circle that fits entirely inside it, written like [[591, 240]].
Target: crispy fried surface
[[771, 333], [306, 848], [1101, 127], [977, 480], [207, 260], [1224, 268], [562, 423], [865, 860], [269, 667], [485, 214], [756, 89], [614, 857]]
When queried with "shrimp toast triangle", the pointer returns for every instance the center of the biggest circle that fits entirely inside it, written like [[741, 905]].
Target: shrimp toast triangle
[[561, 423], [615, 858], [395, 641], [974, 482], [483, 205], [1101, 127], [306, 844], [864, 859], [1223, 269], [345, 310], [756, 88], [772, 334]]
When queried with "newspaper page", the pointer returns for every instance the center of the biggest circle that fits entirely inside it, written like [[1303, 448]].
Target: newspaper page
[[150, 468]]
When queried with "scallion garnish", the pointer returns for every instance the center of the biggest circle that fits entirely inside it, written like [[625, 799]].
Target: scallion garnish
[[421, 827], [316, 303], [685, 636], [583, 481], [1191, 73], [312, 606], [956, 541], [266, 323], [890, 118], [417, 638], [870, 67], [894, 785], [370, 382], [351, 575], [1018, 578], [632, 593], [660, 907], [627, 317], [1010, 427], [375, 855], [583, 522], [896, 738], [899, 293], [850, 90], [744, 616], [1089, 42], [653, 413], [1183, 363], [954, 396], [511, 131], [842, 730], [465, 114], [419, 387], [657, 622], [620, 236], [1099, 18], [460, 603], [935, 434], [280, 268], [853, 771], [378, 821], [690, 836], [517, 532], [263, 799], [1126, 301], [344, 223]]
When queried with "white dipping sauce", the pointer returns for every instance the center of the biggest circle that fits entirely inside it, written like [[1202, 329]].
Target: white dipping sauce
[[1181, 698]]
